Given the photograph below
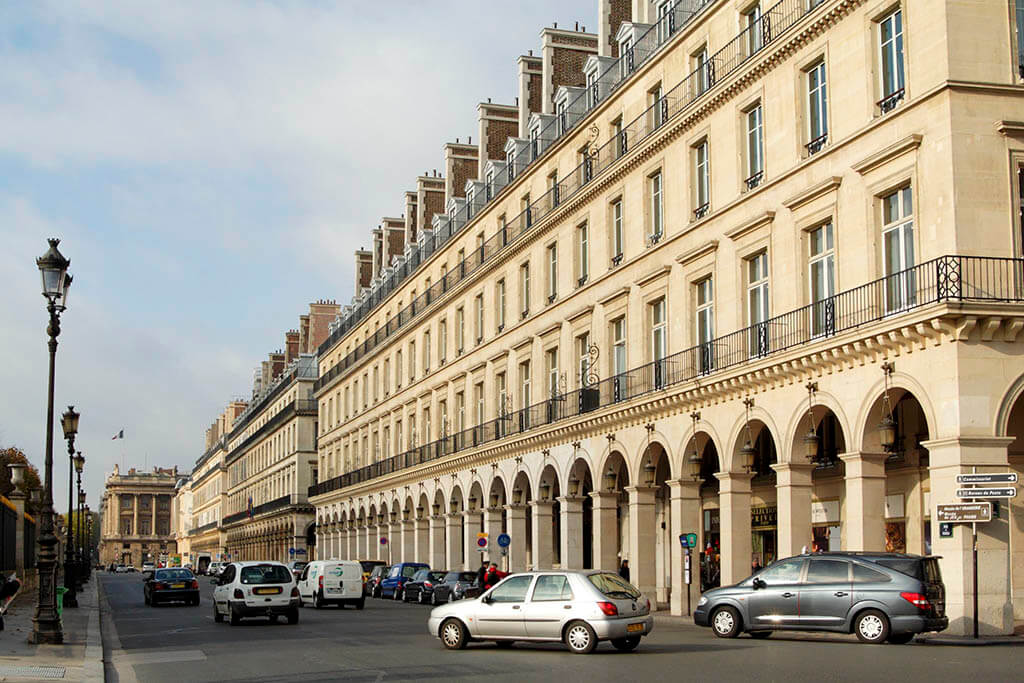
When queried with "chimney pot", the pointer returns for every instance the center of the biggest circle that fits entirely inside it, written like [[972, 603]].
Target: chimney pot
[[469, 140], [556, 24], [577, 26], [531, 53]]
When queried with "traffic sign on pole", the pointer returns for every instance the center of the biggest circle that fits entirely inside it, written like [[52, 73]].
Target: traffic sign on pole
[[291, 551], [504, 540], [383, 540], [481, 541], [991, 478], [964, 512], [988, 492]]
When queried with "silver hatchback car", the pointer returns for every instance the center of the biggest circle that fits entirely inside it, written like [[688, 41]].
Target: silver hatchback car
[[579, 608]]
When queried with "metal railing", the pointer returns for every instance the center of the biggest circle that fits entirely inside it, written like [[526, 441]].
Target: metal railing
[[203, 527], [947, 278], [270, 506], [300, 406]]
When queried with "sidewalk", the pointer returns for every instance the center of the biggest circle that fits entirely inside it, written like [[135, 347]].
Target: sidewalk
[[80, 658]]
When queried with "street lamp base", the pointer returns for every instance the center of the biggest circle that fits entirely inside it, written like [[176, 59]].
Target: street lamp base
[[46, 632], [70, 600]]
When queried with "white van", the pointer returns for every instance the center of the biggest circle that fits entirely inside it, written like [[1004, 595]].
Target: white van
[[323, 582]]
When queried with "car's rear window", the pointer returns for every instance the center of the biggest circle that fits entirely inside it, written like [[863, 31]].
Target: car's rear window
[[368, 565], [910, 566], [467, 576], [266, 573], [614, 586], [172, 575], [930, 567], [409, 572], [437, 576]]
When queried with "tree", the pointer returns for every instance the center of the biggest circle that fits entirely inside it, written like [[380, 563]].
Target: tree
[[92, 526], [31, 481]]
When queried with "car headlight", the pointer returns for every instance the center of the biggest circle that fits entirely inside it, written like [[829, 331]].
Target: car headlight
[[703, 601]]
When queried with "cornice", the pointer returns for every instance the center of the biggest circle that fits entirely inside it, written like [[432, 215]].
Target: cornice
[[886, 154]]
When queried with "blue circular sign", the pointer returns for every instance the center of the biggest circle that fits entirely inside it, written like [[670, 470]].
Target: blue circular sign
[[504, 540]]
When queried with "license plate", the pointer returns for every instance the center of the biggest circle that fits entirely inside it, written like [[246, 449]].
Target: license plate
[[634, 628], [267, 591], [177, 585]]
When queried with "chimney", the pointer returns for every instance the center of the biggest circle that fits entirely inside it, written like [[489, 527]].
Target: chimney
[[563, 59], [364, 269], [321, 314], [498, 123], [460, 165], [430, 200], [610, 15], [291, 345]]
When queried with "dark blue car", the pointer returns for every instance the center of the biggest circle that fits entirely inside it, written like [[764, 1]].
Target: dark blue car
[[392, 586]]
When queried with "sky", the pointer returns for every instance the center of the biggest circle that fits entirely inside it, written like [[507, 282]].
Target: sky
[[209, 168]]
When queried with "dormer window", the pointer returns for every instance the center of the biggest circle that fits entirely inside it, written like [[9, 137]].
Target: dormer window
[[626, 63], [489, 185], [510, 162], [563, 119], [534, 143], [593, 93]]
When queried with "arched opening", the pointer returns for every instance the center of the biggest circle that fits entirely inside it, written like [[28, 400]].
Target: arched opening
[[614, 480], [458, 545], [710, 555], [827, 476], [1015, 453], [581, 485], [548, 492], [522, 548], [763, 499], [654, 560]]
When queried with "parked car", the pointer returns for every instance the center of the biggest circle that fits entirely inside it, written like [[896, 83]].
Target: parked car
[[372, 587], [420, 588], [130, 569], [456, 586], [255, 589], [368, 566], [878, 596], [120, 569], [392, 585], [168, 585], [148, 566], [296, 567], [578, 608], [325, 582], [214, 568]]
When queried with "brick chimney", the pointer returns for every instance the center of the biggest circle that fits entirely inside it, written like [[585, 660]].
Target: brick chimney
[[498, 123], [364, 269], [276, 360], [291, 345], [460, 165], [531, 75], [611, 14], [321, 314], [392, 237], [564, 53], [412, 214], [430, 199]]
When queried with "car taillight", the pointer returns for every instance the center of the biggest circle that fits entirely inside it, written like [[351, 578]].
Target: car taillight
[[609, 609], [920, 601], [648, 604], [321, 582], [238, 594], [295, 591], [195, 584], [427, 584], [158, 586]]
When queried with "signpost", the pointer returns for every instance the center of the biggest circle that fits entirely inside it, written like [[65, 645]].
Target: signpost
[[964, 512], [688, 541], [988, 492], [481, 542], [994, 478]]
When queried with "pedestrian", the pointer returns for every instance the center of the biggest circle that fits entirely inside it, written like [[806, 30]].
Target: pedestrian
[[624, 570], [481, 573], [493, 576]]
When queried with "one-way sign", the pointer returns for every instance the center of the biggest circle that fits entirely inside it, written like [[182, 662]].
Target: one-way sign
[[988, 492], [964, 512], [1001, 478]]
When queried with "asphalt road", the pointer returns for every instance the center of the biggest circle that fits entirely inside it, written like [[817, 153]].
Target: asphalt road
[[388, 641]]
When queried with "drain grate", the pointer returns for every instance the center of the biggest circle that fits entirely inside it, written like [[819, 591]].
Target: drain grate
[[32, 671]]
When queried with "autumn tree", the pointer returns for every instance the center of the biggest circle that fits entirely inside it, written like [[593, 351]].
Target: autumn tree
[[31, 481]]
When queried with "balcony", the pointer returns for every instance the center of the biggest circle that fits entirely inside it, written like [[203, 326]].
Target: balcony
[[290, 500], [944, 279]]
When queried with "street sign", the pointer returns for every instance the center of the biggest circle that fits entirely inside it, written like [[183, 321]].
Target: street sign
[[1002, 478], [688, 540], [300, 551], [291, 551], [504, 540], [946, 530], [988, 492], [481, 541], [964, 512], [383, 540]]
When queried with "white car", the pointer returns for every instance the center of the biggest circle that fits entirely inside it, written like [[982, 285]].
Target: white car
[[255, 589], [148, 567], [323, 582], [214, 568], [120, 569]]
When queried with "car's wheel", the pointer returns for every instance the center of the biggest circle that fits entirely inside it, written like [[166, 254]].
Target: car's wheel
[[871, 626], [293, 616], [318, 601], [580, 637], [760, 635], [405, 596], [217, 616], [361, 603], [626, 644], [236, 618], [433, 599], [453, 634], [422, 598], [900, 638], [725, 622]]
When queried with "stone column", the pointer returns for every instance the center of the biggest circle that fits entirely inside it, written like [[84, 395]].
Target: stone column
[[685, 513], [517, 531], [436, 551], [642, 542], [152, 518], [572, 532], [492, 525], [135, 516], [864, 527], [793, 494], [734, 503], [471, 523], [963, 455], [381, 553], [606, 532], [453, 541], [408, 541], [421, 540], [542, 541]]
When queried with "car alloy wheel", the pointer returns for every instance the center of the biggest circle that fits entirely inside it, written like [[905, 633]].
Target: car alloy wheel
[[872, 627], [580, 638], [453, 635], [725, 622], [433, 599]]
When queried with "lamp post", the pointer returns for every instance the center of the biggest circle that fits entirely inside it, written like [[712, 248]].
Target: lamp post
[[87, 542], [76, 530], [46, 626], [69, 423]]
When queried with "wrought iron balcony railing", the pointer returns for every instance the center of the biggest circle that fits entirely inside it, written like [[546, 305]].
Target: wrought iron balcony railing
[[269, 506], [947, 278]]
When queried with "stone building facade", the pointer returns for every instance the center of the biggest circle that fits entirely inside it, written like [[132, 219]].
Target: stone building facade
[[138, 525], [759, 281]]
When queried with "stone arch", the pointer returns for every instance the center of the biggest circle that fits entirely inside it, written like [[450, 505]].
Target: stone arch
[[660, 440], [1004, 418], [907, 409], [869, 412], [522, 487], [759, 419], [456, 498], [655, 454], [497, 488], [547, 470], [829, 426], [616, 453]]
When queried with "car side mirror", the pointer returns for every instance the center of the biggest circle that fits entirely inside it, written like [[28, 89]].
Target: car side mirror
[[759, 583], [487, 599]]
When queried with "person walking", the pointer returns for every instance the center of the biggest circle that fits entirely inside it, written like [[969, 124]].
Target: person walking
[[481, 574], [624, 570]]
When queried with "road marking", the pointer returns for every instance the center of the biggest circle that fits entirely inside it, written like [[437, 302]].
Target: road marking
[[156, 656]]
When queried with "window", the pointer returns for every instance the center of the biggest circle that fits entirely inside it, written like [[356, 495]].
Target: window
[[426, 425], [460, 411], [502, 383], [666, 20], [752, 24], [862, 574], [657, 108], [551, 587], [822, 276], [563, 121], [460, 330], [757, 304], [817, 109], [552, 272], [480, 415], [828, 571], [442, 340], [376, 383], [593, 92], [617, 232], [583, 353], [524, 288], [398, 368], [524, 383], [626, 61], [782, 573], [512, 590], [489, 185], [412, 361], [890, 44], [702, 179], [551, 365], [619, 346], [1018, 11], [703, 70], [657, 226], [898, 249], [659, 340], [426, 351], [755, 147], [478, 311], [619, 135], [705, 331], [582, 254], [499, 304]]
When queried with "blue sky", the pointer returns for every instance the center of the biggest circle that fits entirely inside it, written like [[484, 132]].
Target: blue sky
[[210, 168]]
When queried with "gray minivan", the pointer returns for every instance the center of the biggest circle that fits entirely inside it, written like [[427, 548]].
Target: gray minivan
[[878, 596]]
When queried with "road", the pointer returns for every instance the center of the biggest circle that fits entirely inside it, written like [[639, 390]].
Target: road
[[388, 641]]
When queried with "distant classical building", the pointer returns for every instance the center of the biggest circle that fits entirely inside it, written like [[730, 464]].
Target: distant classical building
[[136, 512]]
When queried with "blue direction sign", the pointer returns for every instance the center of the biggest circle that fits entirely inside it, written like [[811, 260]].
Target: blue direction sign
[[291, 551], [504, 540]]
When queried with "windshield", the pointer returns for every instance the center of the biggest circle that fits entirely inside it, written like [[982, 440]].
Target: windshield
[[614, 586], [265, 573], [299, 565], [408, 571], [172, 574]]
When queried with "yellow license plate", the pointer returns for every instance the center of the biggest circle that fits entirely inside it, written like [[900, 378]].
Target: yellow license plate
[[634, 628], [177, 585], [267, 591]]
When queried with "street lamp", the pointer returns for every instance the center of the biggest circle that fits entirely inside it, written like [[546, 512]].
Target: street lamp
[[693, 462], [887, 426], [748, 452], [79, 462], [46, 626], [69, 423], [811, 440]]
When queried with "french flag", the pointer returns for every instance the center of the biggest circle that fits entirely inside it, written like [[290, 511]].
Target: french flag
[[119, 435]]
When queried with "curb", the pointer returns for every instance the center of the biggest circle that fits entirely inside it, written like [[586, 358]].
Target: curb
[[92, 667], [967, 641]]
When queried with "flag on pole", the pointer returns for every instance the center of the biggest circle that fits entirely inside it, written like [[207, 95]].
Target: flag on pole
[[119, 435], [249, 509]]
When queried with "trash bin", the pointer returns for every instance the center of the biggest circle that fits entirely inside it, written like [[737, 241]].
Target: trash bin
[[61, 590]]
